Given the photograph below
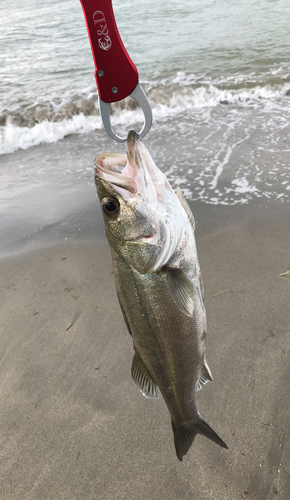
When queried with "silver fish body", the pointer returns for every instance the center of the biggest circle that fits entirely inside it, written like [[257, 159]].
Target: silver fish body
[[150, 230]]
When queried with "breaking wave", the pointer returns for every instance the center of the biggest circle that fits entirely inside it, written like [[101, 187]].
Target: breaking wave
[[48, 122]]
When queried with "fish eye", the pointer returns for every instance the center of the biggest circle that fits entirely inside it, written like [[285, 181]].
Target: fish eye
[[111, 206]]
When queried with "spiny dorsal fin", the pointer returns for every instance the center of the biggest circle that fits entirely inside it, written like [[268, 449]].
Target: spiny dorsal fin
[[186, 207], [142, 378], [181, 290], [124, 314], [205, 376]]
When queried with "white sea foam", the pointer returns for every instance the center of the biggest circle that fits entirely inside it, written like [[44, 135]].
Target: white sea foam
[[166, 101], [14, 137], [242, 185]]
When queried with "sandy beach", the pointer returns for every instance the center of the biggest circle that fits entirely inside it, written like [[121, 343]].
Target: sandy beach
[[74, 425]]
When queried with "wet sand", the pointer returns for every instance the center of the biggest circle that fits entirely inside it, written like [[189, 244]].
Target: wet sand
[[73, 424]]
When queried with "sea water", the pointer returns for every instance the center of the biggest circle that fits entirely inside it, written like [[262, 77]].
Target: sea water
[[217, 75]]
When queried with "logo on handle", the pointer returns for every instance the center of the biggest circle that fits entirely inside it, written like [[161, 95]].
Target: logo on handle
[[105, 42]]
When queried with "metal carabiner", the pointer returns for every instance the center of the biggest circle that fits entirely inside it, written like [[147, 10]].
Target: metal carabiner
[[139, 95], [115, 73]]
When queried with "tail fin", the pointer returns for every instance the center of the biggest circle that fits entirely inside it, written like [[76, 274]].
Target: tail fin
[[184, 436]]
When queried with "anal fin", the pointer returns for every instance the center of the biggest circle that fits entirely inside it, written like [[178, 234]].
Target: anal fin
[[206, 371], [142, 378], [205, 376]]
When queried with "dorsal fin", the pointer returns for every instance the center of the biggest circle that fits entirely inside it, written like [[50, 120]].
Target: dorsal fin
[[142, 378], [186, 207]]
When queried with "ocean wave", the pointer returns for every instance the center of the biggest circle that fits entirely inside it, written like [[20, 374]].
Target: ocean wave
[[15, 137], [48, 123]]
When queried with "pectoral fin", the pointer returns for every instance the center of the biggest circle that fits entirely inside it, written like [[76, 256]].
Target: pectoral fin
[[181, 290], [142, 378]]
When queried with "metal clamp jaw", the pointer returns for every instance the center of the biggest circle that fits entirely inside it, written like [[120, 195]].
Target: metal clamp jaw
[[139, 95]]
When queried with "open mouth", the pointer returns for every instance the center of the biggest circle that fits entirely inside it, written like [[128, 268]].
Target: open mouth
[[134, 174], [120, 170], [110, 167]]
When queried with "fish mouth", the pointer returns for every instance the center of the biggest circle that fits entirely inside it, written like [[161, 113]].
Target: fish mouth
[[120, 170]]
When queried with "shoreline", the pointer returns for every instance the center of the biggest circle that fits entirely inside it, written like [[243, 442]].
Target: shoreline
[[74, 215]]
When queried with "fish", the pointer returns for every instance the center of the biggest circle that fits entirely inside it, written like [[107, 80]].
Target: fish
[[150, 231]]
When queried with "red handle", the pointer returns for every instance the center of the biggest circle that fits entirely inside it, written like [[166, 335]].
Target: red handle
[[115, 73]]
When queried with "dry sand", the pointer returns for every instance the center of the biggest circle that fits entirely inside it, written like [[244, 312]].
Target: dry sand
[[73, 424]]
